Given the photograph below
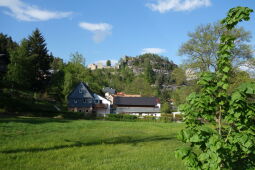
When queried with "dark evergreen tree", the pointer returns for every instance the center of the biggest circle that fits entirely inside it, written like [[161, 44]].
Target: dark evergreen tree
[[37, 47], [6, 45]]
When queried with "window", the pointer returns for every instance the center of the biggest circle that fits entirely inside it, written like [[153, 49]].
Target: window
[[96, 101], [87, 110], [84, 100], [75, 101], [89, 101], [101, 102], [80, 91]]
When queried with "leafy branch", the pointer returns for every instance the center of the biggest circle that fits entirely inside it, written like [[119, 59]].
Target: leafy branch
[[220, 128]]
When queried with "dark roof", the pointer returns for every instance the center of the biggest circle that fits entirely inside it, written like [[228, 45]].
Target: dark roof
[[109, 90], [75, 92], [135, 101]]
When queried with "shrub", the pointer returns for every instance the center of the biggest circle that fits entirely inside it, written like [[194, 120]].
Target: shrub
[[78, 115], [178, 117], [121, 117], [166, 118]]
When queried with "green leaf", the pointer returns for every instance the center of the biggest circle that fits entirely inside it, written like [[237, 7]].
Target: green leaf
[[225, 86], [226, 69], [195, 138], [182, 152], [250, 90]]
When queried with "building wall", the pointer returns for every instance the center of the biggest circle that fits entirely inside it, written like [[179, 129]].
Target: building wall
[[146, 114], [102, 111], [80, 109], [137, 110]]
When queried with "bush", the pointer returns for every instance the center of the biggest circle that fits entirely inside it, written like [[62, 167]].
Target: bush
[[74, 115], [148, 118], [178, 117], [121, 117], [166, 118]]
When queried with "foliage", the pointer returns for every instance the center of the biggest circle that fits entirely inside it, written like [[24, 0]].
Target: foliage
[[6, 45], [21, 102], [180, 94], [237, 78], [77, 58], [21, 68], [179, 76], [121, 117], [165, 108], [149, 73], [201, 49], [139, 86], [42, 60], [108, 63], [75, 115], [166, 117], [178, 117], [228, 141]]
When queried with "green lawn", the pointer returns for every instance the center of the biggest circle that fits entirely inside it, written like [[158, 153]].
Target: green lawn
[[42, 143]]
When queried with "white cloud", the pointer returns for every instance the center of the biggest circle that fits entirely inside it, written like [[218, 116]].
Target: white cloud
[[100, 30], [177, 5], [153, 50], [26, 12]]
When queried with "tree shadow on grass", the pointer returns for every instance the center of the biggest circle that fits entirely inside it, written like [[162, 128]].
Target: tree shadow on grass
[[33, 120], [109, 141]]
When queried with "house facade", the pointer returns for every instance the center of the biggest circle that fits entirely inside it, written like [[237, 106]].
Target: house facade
[[140, 106], [81, 99], [102, 105]]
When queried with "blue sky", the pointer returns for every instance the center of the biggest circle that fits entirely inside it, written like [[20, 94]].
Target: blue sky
[[111, 29]]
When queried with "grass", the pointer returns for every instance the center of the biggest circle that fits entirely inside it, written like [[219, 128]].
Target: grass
[[43, 143]]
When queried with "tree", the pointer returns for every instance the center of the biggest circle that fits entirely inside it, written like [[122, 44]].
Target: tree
[[165, 108], [57, 79], [57, 64], [42, 61], [201, 49], [228, 142], [6, 46], [21, 70], [237, 78], [108, 63], [149, 73], [178, 76], [180, 94], [77, 58], [75, 72], [139, 86]]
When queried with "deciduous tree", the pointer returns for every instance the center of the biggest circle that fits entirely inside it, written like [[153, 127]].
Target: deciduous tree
[[201, 49]]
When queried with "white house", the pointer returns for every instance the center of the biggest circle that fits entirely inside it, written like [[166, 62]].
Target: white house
[[102, 105]]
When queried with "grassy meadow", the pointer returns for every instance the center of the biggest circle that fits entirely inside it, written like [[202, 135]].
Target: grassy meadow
[[44, 143]]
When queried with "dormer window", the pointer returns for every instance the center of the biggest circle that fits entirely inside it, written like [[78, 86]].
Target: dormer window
[[80, 91], [75, 101]]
